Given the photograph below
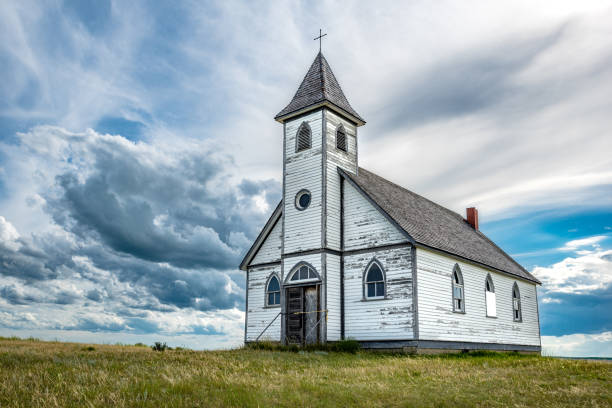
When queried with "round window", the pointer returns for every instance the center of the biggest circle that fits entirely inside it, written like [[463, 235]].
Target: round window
[[302, 200]]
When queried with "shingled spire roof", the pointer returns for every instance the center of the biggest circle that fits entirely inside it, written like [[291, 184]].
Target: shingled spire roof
[[319, 87]]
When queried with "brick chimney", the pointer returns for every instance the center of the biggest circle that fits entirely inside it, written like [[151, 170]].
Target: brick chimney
[[472, 217]]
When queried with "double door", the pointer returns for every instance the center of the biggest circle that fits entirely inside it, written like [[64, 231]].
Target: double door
[[303, 315]]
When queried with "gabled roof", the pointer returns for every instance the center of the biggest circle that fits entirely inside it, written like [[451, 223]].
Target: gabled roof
[[319, 86], [432, 225], [265, 231]]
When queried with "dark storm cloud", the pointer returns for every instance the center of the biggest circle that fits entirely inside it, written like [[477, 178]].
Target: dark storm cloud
[[94, 295], [465, 84], [89, 324], [199, 289], [152, 230], [182, 213], [27, 263], [14, 296]]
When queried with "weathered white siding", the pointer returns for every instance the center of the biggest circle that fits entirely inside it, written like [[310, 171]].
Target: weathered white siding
[[364, 225], [387, 319], [259, 316], [337, 158], [333, 296], [270, 250], [303, 170], [437, 321]]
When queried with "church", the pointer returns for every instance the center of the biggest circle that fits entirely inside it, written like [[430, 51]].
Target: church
[[347, 254]]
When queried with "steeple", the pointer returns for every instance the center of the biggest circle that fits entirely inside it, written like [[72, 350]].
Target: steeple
[[319, 88]]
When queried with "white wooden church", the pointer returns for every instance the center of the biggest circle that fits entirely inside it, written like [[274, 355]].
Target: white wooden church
[[349, 254]]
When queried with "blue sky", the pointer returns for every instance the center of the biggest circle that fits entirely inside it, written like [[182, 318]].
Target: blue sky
[[139, 157]]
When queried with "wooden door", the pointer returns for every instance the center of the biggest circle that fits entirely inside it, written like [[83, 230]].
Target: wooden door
[[311, 315], [295, 321]]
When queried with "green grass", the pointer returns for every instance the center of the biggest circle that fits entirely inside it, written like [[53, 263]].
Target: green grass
[[49, 374]]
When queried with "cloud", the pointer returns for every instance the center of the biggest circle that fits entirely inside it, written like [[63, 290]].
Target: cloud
[[156, 203], [576, 292], [8, 235], [582, 274], [578, 345], [578, 243], [128, 235]]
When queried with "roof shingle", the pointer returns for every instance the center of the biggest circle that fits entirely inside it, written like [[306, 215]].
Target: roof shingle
[[319, 85], [434, 226]]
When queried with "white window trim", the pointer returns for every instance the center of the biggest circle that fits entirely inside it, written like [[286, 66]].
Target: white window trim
[[297, 137], [520, 305], [365, 282], [267, 292], [457, 269], [490, 298], [346, 144], [296, 269]]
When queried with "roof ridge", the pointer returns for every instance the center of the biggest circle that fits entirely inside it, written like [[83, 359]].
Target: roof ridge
[[504, 252], [322, 73], [455, 214], [369, 182]]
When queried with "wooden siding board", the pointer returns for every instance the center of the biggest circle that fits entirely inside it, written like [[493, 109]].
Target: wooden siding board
[[437, 321], [260, 316], [303, 171], [333, 297], [270, 250], [337, 158], [387, 319], [364, 225]]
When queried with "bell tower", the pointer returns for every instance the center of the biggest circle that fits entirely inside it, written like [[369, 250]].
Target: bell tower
[[319, 136]]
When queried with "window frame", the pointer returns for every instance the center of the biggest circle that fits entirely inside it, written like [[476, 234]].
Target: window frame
[[489, 282], [365, 282], [339, 128], [461, 284], [518, 319], [297, 137], [298, 196], [296, 269], [267, 304]]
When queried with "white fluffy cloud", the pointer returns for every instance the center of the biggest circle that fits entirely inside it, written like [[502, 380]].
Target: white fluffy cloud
[[578, 345], [579, 243], [589, 270]]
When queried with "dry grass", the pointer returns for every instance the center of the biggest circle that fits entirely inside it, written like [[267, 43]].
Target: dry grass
[[36, 374]]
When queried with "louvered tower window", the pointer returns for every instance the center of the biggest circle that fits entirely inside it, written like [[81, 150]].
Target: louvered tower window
[[341, 138], [303, 137]]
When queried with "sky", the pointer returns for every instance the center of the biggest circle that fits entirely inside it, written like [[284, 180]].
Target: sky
[[139, 157]]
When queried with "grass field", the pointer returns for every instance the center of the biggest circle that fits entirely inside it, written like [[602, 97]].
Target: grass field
[[49, 374]]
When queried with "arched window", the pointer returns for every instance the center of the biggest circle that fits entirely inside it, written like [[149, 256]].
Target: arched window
[[458, 295], [517, 313], [490, 297], [273, 292], [374, 282], [303, 137], [303, 272], [341, 138]]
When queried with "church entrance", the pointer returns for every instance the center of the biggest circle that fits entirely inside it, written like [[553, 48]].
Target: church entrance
[[303, 314]]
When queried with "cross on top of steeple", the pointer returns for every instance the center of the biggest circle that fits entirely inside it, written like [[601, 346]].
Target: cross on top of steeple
[[319, 38]]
